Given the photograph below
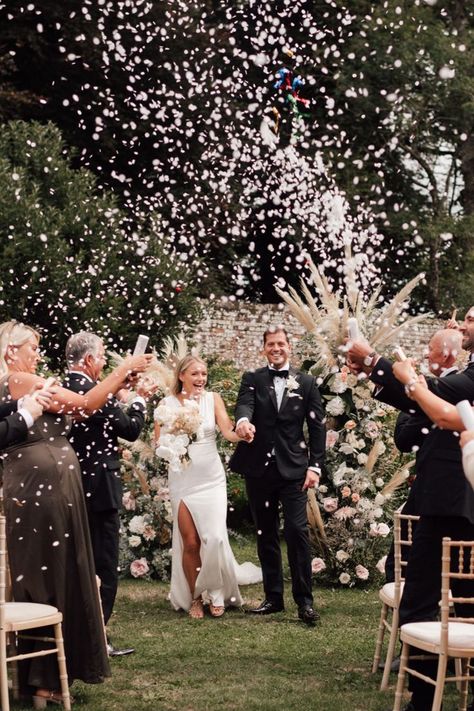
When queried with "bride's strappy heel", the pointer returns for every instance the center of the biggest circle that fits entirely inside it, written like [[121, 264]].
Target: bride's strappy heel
[[196, 611], [41, 701]]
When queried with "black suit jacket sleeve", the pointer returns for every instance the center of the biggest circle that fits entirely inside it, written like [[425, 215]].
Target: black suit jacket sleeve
[[389, 389], [316, 428], [246, 397], [8, 408], [12, 429], [410, 431], [453, 388], [126, 424]]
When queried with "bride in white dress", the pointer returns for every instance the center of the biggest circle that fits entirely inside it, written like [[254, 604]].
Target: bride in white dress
[[203, 567]]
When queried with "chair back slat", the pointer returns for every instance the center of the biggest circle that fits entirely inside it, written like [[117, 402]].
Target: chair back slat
[[400, 543]]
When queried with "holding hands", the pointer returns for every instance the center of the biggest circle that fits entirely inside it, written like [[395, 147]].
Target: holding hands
[[245, 431]]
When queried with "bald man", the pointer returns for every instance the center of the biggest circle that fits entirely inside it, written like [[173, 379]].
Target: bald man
[[411, 429]]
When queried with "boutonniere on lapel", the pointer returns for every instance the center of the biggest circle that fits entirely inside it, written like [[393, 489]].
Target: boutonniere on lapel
[[291, 385]]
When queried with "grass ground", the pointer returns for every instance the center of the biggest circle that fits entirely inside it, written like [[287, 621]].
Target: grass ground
[[238, 663]]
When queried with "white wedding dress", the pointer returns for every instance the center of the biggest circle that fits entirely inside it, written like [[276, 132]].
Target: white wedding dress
[[201, 486]]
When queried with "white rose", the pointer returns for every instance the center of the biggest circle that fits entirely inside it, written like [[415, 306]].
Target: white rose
[[338, 384], [336, 406], [362, 459], [342, 556], [344, 578], [323, 489], [134, 541], [379, 499], [379, 482], [137, 525]]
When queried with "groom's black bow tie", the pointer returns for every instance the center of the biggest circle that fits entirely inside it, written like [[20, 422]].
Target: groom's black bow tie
[[278, 373]]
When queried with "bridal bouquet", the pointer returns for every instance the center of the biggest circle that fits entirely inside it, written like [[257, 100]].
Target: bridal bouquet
[[180, 428]]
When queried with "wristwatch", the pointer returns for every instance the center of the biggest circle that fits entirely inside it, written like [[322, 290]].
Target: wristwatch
[[369, 358]]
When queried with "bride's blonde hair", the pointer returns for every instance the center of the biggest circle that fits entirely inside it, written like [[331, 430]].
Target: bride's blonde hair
[[13, 333], [181, 366]]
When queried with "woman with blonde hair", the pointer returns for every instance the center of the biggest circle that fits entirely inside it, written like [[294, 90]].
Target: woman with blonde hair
[[203, 567], [47, 530]]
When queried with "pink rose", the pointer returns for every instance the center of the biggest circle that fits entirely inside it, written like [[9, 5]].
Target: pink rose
[[355, 498], [361, 572], [379, 529], [345, 492], [127, 455], [317, 565], [350, 424], [128, 501], [330, 504], [139, 567], [331, 438]]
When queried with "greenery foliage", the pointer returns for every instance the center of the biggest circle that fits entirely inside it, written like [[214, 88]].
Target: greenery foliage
[[391, 91], [68, 260]]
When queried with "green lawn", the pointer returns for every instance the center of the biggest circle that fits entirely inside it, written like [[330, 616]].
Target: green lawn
[[238, 662]]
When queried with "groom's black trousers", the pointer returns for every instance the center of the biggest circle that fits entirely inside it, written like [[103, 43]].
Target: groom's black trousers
[[265, 493]]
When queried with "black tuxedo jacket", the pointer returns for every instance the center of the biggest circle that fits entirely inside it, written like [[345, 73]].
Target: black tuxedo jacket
[[12, 425], [444, 490], [280, 430], [95, 443]]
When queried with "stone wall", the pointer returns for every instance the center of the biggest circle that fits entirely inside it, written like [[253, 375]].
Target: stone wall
[[233, 331]]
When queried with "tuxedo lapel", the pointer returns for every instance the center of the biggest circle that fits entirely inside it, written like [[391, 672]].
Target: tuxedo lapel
[[271, 388]]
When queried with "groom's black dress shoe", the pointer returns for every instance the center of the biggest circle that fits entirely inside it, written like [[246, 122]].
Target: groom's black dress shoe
[[113, 652], [308, 615], [266, 608]]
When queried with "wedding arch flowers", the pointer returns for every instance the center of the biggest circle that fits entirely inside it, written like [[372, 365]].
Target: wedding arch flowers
[[351, 513]]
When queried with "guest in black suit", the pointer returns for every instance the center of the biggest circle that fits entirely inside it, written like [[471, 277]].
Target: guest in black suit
[[447, 498], [95, 442], [273, 406], [411, 429]]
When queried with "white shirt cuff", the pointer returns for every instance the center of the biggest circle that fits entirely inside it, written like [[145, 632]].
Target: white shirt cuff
[[241, 419], [315, 469], [139, 400], [27, 416]]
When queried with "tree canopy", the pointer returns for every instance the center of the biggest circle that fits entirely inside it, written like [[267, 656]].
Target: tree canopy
[[170, 105]]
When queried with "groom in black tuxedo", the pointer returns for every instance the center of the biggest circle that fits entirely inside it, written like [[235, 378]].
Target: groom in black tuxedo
[[273, 406]]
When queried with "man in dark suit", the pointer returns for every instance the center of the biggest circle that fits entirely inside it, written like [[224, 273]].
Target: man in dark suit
[[95, 442], [446, 497], [411, 429], [273, 406]]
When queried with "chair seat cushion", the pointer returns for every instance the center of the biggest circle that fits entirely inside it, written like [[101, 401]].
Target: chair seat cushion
[[24, 611], [460, 634], [387, 593]]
